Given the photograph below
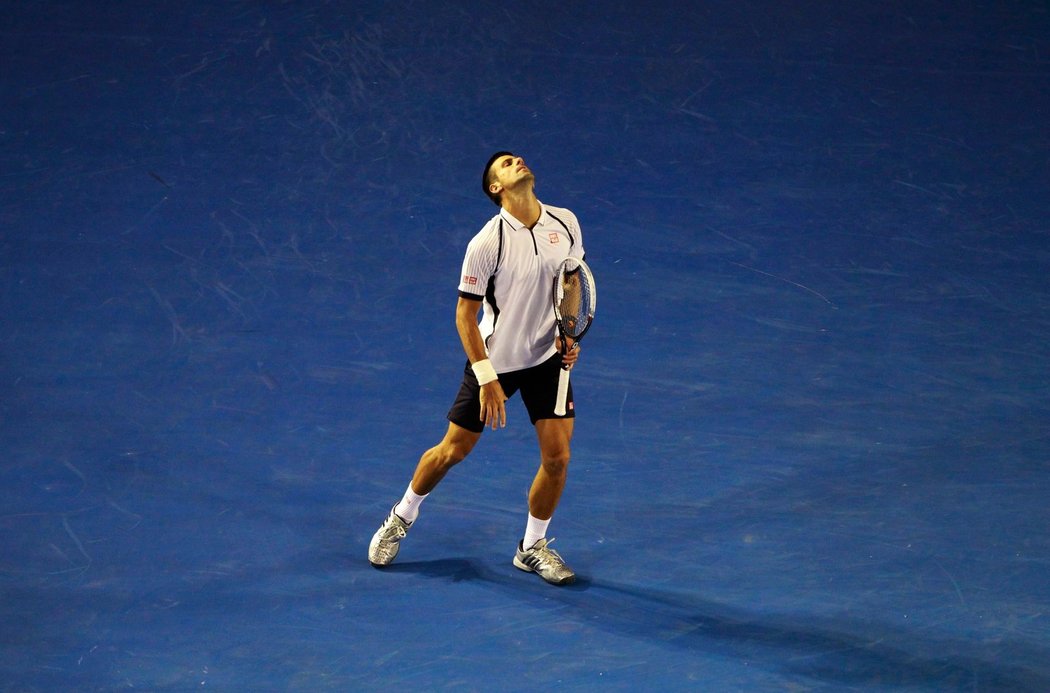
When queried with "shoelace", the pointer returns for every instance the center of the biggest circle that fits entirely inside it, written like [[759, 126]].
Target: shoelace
[[395, 529], [547, 556]]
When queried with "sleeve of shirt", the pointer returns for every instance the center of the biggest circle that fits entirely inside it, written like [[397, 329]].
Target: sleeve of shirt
[[479, 263], [577, 248]]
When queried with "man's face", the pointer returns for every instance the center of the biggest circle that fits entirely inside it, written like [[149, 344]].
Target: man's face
[[509, 172]]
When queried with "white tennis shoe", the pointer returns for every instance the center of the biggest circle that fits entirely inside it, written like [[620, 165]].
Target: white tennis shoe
[[545, 562], [386, 542]]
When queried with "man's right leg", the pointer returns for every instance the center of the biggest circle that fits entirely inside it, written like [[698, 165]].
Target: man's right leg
[[431, 469], [435, 462]]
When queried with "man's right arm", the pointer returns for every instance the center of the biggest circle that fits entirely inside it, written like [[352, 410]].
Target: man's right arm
[[493, 409]]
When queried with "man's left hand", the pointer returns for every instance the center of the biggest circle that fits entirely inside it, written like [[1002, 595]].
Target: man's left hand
[[570, 351]]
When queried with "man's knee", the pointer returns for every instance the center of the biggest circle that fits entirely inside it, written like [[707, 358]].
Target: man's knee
[[555, 462], [455, 446], [452, 453]]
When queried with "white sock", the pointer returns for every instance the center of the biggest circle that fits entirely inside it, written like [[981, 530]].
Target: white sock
[[535, 530], [408, 508]]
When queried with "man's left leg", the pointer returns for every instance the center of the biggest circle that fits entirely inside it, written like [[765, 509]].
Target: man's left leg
[[555, 436]]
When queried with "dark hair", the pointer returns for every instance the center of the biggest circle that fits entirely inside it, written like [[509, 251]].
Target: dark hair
[[485, 180]]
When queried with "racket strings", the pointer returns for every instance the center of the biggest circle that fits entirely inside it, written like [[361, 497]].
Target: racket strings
[[574, 304]]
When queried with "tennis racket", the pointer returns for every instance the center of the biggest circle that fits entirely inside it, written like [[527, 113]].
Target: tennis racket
[[574, 301]]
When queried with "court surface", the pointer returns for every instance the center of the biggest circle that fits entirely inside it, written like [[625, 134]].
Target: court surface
[[811, 450]]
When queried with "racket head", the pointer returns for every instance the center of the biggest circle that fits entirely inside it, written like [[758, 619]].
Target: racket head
[[575, 298]]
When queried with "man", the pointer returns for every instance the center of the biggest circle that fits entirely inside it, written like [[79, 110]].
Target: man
[[507, 274]]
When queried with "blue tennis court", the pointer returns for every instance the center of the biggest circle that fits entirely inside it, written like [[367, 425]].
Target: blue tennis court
[[811, 448]]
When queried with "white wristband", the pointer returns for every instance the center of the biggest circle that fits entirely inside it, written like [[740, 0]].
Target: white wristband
[[484, 371]]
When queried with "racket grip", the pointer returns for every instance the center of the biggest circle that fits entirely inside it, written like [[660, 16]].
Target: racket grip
[[563, 392]]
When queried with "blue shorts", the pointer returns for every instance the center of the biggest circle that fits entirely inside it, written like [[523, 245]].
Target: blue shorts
[[538, 386]]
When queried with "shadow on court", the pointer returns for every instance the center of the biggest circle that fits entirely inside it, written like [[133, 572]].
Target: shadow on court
[[805, 646]]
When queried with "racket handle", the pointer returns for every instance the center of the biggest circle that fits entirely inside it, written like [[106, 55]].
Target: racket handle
[[563, 392]]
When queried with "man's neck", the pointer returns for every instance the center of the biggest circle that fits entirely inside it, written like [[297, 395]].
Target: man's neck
[[525, 208]]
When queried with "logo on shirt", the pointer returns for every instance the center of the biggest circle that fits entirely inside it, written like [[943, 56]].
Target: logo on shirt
[[555, 238], [467, 279]]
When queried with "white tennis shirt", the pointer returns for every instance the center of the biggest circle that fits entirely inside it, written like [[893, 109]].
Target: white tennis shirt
[[510, 268]]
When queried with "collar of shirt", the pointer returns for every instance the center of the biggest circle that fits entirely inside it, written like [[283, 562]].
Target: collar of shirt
[[518, 225]]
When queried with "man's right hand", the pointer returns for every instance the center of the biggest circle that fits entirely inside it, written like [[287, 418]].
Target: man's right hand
[[493, 407]]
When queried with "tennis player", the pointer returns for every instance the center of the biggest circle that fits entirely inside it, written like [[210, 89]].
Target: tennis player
[[507, 275]]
